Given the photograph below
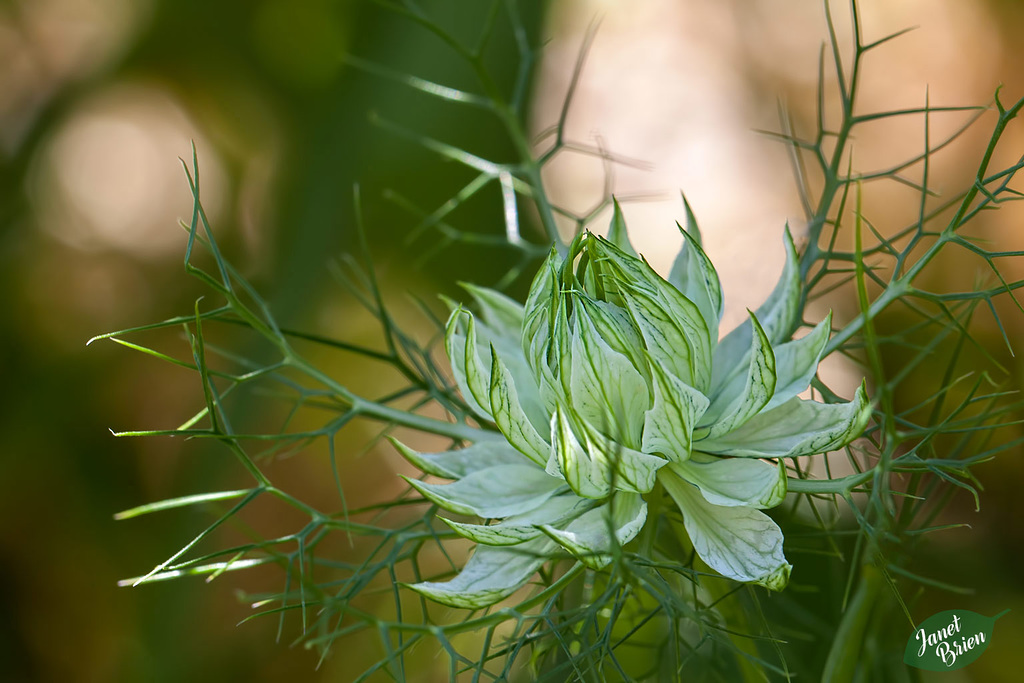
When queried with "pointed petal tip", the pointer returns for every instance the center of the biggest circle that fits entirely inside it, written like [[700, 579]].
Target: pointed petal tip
[[435, 592], [778, 579]]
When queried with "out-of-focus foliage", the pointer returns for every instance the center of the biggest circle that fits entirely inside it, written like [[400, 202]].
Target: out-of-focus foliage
[[98, 99]]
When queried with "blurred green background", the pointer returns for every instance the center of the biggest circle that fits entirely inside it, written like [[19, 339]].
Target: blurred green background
[[98, 99]]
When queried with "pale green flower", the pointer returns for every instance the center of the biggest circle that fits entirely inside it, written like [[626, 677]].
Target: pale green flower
[[609, 381]]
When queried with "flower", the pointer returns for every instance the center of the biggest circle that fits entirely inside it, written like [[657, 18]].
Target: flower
[[609, 386]]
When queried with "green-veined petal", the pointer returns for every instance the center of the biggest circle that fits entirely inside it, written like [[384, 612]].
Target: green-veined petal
[[698, 280], [666, 341], [501, 314], [605, 388], [733, 482], [492, 574], [456, 464], [633, 470], [778, 315], [587, 477], [510, 417], [614, 326], [456, 343], [796, 362], [796, 428], [745, 396], [589, 537], [636, 279], [557, 510], [740, 543], [617, 233], [496, 492], [477, 373], [668, 425]]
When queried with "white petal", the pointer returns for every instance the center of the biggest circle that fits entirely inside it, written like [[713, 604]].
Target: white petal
[[796, 428], [455, 343], [740, 543], [458, 463], [668, 425], [745, 396], [796, 362], [495, 492], [518, 528], [589, 537], [492, 574], [510, 417], [734, 482], [778, 316], [694, 275]]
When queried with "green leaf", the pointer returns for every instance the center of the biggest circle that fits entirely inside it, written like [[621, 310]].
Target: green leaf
[[495, 492], [510, 417], [734, 482], [795, 428], [950, 640], [740, 543], [518, 528], [184, 501], [668, 425], [490, 575], [744, 397], [796, 362], [456, 464], [589, 537]]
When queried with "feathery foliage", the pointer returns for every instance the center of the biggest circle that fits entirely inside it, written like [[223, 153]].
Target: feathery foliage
[[654, 611]]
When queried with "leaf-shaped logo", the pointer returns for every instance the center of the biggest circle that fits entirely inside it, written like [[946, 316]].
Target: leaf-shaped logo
[[949, 640]]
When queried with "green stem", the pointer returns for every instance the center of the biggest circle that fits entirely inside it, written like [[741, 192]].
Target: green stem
[[846, 651], [531, 169], [385, 413], [841, 485]]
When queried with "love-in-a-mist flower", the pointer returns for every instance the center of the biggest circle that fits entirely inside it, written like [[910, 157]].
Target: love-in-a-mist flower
[[610, 386]]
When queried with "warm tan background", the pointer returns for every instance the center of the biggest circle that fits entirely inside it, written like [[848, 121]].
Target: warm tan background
[[98, 98]]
